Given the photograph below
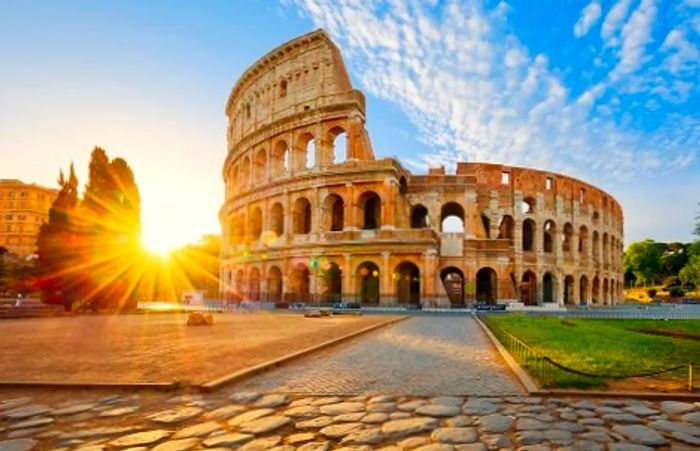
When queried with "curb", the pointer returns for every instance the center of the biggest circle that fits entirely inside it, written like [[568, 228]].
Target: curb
[[242, 374], [525, 380], [165, 386]]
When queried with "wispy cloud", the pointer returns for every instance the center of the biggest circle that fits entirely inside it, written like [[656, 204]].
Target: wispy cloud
[[476, 93], [589, 16]]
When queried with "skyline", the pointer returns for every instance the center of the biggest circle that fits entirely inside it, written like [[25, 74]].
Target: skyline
[[151, 83]]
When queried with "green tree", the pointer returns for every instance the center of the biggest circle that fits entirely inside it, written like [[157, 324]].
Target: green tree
[[643, 259], [690, 274]]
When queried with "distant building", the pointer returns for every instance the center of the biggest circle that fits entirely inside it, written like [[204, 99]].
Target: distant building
[[24, 208]]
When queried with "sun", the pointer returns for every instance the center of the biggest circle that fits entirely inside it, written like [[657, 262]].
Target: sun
[[159, 243]]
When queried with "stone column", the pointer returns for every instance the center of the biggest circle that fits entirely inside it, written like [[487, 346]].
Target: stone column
[[348, 271], [386, 291]]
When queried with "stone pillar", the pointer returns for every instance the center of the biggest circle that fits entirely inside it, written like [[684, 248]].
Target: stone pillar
[[288, 216], [350, 208], [386, 290], [348, 271]]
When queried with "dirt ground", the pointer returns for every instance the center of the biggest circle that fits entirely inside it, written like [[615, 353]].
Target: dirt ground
[[157, 347]]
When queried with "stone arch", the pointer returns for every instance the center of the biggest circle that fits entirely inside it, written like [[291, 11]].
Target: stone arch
[[301, 217], [595, 291], [407, 278], [283, 88], [528, 288], [241, 228], [529, 229], [583, 240], [452, 218], [245, 172], [368, 278], [334, 213], [256, 224], [275, 284], [279, 159], [506, 228], [254, 285], [370, 205], [305, 152], [528, 206], [567, 237], [486, 224], [403, 185], [240, 284], [548, 234], [419, 217], [486, 285], [596, 248], [453, 282], [338, 139], [331, 282], [569, 292], [299, 282], [260, 166], [605, 249], [606, 292], [583, 290], [548, 287], [277, 219]]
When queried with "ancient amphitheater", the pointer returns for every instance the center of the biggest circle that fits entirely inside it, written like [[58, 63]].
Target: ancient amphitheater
[[311, 215]]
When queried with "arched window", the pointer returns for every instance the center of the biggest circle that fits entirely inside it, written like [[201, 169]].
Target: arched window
[[528, 205], [371, 207], [583, 290], [486, 223], [419, 217], [277, 219], [368, 278], [254, 285], [311, 154], [583, 240], [304, 152], [283, 88], [595, 294], [331, 282], [453, 282], [279, 159], [528, 235], [566, 244], [299, 283], [452, 218], [274, 284], [256, 220], [486, 283], [334, 213], [245, 172], [569, 293], [339, 145], [407, 278], [302, 216], [596, 248], [528, 288], [260, 165], [506, 228], [548, 236], [548, 282]]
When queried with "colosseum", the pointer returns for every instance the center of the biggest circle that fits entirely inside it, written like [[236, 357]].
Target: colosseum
[[310, 215]]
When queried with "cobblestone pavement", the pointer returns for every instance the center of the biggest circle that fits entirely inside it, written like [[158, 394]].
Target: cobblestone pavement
[[419, 356], [254, 421]]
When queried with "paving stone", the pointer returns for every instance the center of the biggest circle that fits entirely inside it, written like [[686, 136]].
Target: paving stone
[[529, 424], [265, 424], [628, 447], [536, 409], [409, 426], [457, 401], [273, 400], [496, 441], [567, 426], [13, 403], [399, 415], [227, 440], [261, 444], [349, 417], [438, 410], [454, 435], [73, 409], [471, 447], [327, 400], [198, 430], [224, 412], [315, 423], [641, 410], [20, 444], [249, 416], [140, 438], [374, 418], [32, 423], [380, 399], [411, 405], [597, 436], [592, 421], [568, 416], [341, 430], [301, 402], [300, 438], [692, 418], [413, 442], [460, 421], [177, 415], [386, 407], [244, 397], [436, 447], [118, 411], [547, 418], [96, 433], [677, 407], [23, 412], [370, 436], [585, 413], [672, 426], [585, 404], [529, 437], [622, 418], [686, 438], [315, 446], [559, 436], [302, 412], [476, 406], [342, 407], [535, 448], [177, 445], [607, 409], [495, 423], [640, 434], [582, 445], [30, 432]]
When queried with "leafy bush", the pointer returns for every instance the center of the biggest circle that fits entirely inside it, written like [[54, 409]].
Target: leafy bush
[[676, 292], [652, 293]]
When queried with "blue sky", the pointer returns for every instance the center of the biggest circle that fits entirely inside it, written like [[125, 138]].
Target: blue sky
[[606, 91]]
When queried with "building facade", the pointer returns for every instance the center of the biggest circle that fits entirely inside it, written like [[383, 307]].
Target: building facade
[[24, 208], [311, 215]]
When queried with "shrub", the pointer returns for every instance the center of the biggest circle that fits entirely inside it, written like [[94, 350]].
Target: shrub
[[652, 293], [676, 292]]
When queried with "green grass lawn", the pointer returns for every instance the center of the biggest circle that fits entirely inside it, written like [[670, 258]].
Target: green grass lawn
[[605, 346]]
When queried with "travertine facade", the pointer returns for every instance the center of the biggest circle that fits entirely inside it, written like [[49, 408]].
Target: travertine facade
[[24, 208], [310, 214]]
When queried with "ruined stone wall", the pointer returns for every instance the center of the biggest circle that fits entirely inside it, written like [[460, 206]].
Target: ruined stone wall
[[310, 215]]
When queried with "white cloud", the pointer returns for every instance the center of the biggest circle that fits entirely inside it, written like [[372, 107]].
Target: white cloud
[[488, 99], [636, 34], [589, 16], [613, 21]]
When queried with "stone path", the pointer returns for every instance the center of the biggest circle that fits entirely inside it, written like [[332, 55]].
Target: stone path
[[255, 421], [423, 355]]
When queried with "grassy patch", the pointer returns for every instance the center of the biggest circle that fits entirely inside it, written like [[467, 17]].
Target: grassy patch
[[606, 346]]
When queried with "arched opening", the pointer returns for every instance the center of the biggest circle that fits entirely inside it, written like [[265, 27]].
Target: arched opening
[[407, 277], [241, 229], [506, 228], [596, 248], [453, 281], [279, 159], [548, 288], [240, 285], [486, 224], [528, 205], [371, 207], [419, 217], [277, 219], [274, 284], [583, 240], [339, 144], [568, 237], [304, 152], [301, 219], [595, 218], [605, 249], [486, 283], [569, 293], [256, 221], [283, 88], [254, 285], [583, 290], [528, 235], [334, 213], [368, 277], [606, 292], [403, 186], [310, 154], [245, 173], [452, 218], [299, 282], [548, 236], [332, 282], [528, 288], [259, 166], [595, 293]]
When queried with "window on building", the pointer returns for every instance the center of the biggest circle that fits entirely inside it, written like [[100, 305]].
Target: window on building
[[23, 194], [505, 178], [549, 183], [11, 194], [8, 217]]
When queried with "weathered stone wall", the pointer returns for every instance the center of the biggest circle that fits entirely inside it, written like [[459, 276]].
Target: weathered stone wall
[[310, 216]]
